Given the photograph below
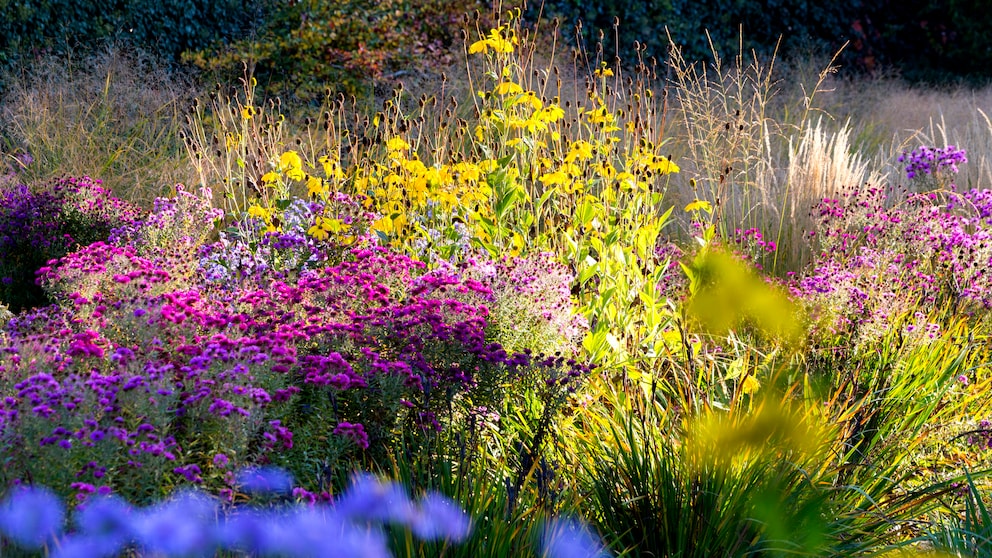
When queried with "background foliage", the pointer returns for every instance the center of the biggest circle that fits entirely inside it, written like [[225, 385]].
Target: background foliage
[[170, 27], [925, 40]]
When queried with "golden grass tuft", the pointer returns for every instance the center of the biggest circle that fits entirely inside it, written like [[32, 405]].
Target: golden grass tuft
[[114, 115]]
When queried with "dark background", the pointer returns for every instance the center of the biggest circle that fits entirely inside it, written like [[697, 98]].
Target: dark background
[[920, 40]]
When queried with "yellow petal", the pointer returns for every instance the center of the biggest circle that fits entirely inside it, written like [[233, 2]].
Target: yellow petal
[[296, 174], [508, 88], [699, 204], [750, 385], [479, 46], [397, 144], [290, 160]]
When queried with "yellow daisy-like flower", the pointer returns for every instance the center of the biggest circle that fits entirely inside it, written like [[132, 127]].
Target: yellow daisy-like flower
[[397, 144], [508, 88], [580, 150], [699, 205], [750, 385], [270, 177], [557, 178], [290, 160], [551, 113], [495, 41], [260, 212], [332, 168], [315, 186], [296, 174], [318, 232], [664, 166]]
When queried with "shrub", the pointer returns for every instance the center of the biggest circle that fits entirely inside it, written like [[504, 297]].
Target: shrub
[[924, 39], [169, 27], [306, 48]]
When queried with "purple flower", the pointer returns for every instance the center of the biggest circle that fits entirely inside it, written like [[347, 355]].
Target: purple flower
[[354, 432], [221, 461], [31, 516]]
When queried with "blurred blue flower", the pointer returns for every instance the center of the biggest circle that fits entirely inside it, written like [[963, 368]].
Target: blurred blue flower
[[571, 538], [180, 526], [106, 522], [31, 516], [81, 546], [250, 530], [439, 517], [370, 499], [264, 481]]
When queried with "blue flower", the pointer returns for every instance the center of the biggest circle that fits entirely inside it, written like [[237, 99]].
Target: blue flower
[[105, 521], [570, 538], [439, 517], [180, 526], [31, 517], [264, 480], [371, 500]]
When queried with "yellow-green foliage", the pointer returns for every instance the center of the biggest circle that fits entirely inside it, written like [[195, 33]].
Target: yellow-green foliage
[[727, 295]]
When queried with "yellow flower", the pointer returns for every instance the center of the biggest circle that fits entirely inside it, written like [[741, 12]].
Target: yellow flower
[[508, 88], [495, 41], [605, 169], [580, 150], [315, 186], [247, 112], [332, 168], [557, 178], [317, 232], [663, 166], [397, 144], [600, 116], [699, 204], [750, 385], [270, 177], [290, 160], [260, 212], [466, 171], [296, 174], [551, 113]]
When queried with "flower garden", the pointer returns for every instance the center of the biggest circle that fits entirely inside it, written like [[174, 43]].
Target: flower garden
[[509, 323]]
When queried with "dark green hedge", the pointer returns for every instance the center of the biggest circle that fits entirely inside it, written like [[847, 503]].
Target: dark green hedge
[[926, 40], [167, 27]]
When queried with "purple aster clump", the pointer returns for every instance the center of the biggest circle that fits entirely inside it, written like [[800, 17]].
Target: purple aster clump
[[884, 255], [931, 165], [155, 363], [528, 298], [37, 225], [183, 221]]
